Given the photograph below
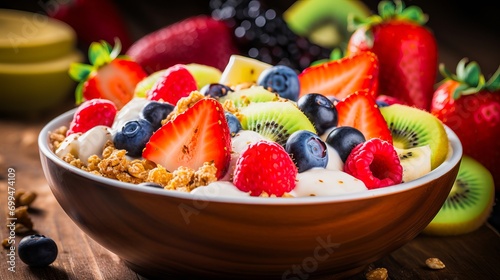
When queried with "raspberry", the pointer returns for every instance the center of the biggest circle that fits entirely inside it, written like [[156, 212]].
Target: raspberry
[[376, 163], [265, 166], [92, 113]]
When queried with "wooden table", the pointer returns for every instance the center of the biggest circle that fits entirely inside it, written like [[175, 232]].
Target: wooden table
[[472, 256]]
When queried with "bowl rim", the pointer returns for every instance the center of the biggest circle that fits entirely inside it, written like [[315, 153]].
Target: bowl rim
[[63, 119]]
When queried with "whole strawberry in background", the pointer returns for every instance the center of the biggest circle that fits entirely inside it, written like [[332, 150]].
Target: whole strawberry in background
[[470, 105], [92, 20], [196, 39], [109, 76], [406, 49]]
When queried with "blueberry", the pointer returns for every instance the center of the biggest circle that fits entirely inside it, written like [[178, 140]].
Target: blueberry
[[215, 90], [320, 110], [282, 80], [381, 103], [156, 111], [133, 136], [37, 250], [233, 123], [307, 150], [343, 139]]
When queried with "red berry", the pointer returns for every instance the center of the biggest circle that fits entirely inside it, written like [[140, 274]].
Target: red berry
[[176, 82], [265, 166], [92, 113], [376, 163]]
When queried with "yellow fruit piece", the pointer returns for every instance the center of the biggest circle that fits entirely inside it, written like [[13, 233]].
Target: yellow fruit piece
[[241, 69], [204, 74]]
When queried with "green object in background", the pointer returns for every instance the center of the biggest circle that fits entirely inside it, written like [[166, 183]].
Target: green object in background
[[324, 22]]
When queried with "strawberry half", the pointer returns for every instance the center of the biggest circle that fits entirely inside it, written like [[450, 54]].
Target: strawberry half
[[109, 76], [198, 135], [198, 39], [341, 77], [173, 84], [470, 105], [406, 49], [360, 111]]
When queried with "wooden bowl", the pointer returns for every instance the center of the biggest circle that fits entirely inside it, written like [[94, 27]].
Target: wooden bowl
[[162, 234]]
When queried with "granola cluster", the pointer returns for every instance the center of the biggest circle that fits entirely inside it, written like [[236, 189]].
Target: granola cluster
[[114, 163]]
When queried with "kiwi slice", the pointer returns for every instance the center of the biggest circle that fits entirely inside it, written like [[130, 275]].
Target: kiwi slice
[[416, 162], [275, 120], [412, 127], [469, 203], [243, 97]]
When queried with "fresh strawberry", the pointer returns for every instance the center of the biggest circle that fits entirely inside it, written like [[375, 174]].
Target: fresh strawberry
[[406, 49], [92, 113], [470, 106], [173, 84], [92, 20], [198, 39], [198, 135], [376, 163], [341, 77], [109, 76], [360, 111], [266, 167]]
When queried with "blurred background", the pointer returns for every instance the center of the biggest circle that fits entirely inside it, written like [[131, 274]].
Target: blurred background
[[468, 29]]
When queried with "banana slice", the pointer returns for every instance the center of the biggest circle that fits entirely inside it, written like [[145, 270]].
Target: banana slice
[[416, 162], [241, 69]]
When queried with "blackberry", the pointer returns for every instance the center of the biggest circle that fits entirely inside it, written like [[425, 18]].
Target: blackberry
[[261, 33]]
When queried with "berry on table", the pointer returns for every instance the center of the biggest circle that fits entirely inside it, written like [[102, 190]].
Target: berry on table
[[376, 163], [37, 250], [307, 150]]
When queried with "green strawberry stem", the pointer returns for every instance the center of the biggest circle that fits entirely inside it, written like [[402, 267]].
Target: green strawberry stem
[[336, 54], [100, 54], [389, 11], [470, 78]]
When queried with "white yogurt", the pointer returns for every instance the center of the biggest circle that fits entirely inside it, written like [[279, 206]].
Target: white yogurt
[[130, 111], [325, 182]]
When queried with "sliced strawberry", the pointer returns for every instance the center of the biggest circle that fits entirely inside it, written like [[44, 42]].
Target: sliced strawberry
[[115, 81], [198, 135], [339, 78], [359, 110], [174, 83], [108, 76]]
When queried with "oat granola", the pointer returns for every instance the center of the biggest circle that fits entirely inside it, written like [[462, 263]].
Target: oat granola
[[114, 164]]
